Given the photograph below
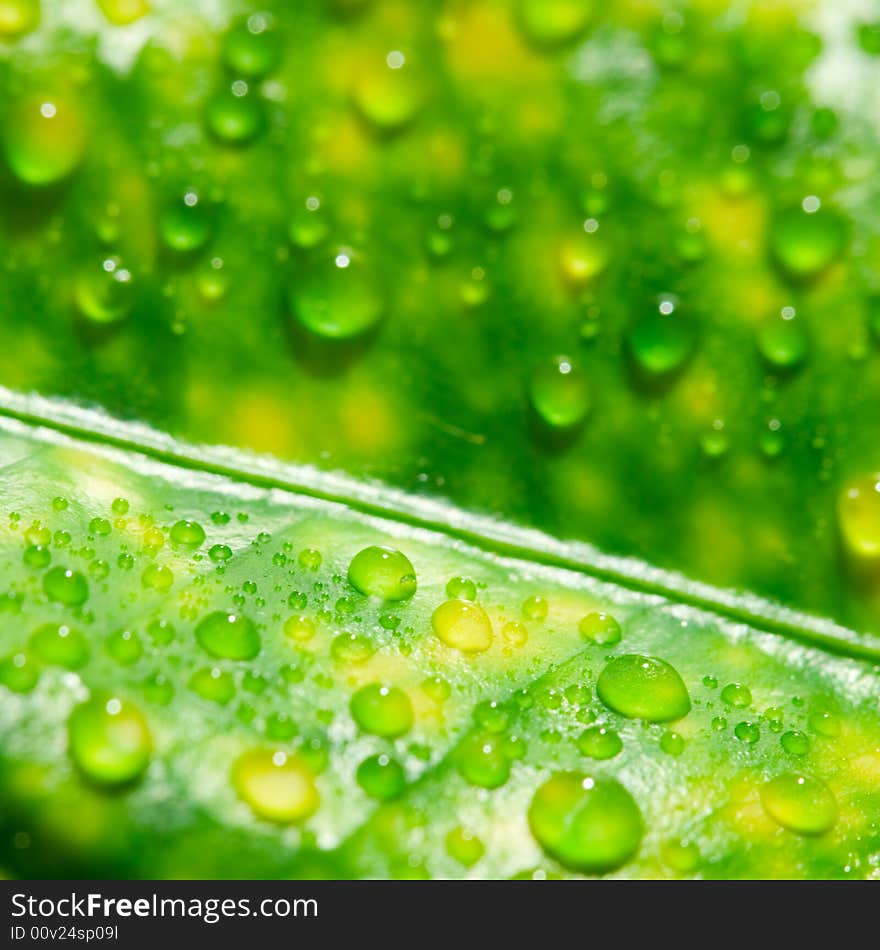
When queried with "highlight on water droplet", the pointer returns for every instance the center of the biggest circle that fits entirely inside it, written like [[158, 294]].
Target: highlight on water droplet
[[559, 393]]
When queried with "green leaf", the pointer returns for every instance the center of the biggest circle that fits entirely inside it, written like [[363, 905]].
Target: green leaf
[[228, 701]]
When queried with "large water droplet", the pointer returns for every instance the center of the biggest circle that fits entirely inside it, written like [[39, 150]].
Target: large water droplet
[[643, 687], [588, 824], [44, 139], [559, 393], [110, 741], [278, 787], [338, 298], [382, 710], [228, 636], [802, 804], [382, 572], [60, 645], [858, 515], [65, 586], [804, 243], [381, 777], [18, 17], [463, 626]]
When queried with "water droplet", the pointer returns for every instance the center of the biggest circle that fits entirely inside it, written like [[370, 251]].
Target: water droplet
[[110, 741], [338, 298], [825, 724], [278, 787], [219, 553], [600, 628], [599, 742], [388, 96], [795, 742], [584, 257], [736, 695], [858, 515], [299, 627], [591, 825], [125, 647], [251, 47], [37, 556], [19, 673], [123, 12], [463, 626], [515, 633], [802, 804], [310, 559], [553, 23], [643, 687], [535, 608], [464, 847], [681, 855], [104, 293], [44, 139], [185, 225], [214, 684], [672, 743], [352, 648], [782, 341], [483, 760], [661, 341], [462, 588], [492, 716], [235, 116], [381, 777], [382, 572], [747, 732], [18, 17], [161, 632], [60, 645], [228, 636], [382, 710], [157, 577], [189, 534], [65, 586], [804, 243], [559, 393]]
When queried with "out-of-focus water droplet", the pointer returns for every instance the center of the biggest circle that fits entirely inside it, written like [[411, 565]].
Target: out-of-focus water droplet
[[44, 140], [807, 239], [123, 12], [60, 645], [382, 572], [338, 298], [308, 226], [591, 825], [185, 225], [235, 116], [352, 648], [643, 687], [161, 632], [553, 23], [19, 672], [228, 636], [213, 684], [382, 710], [599, 742], [584, 257], [463, 626], [299, 627], [782, 340], [104, 293], [858, 517], [464, 847], [37, 556], [672, 743], [157, 577], [251, 47], [389, 95], [662, 340], [381, 777], [110, 741], [125, 647], [535, 608], [824, 723], [18, 17], [483, 761], [277, 786], [600, 628], [65, 586], [800, 803], [681, 855], [559, 393]]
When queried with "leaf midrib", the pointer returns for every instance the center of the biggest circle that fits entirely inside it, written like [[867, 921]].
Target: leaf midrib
[[481, 532]]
